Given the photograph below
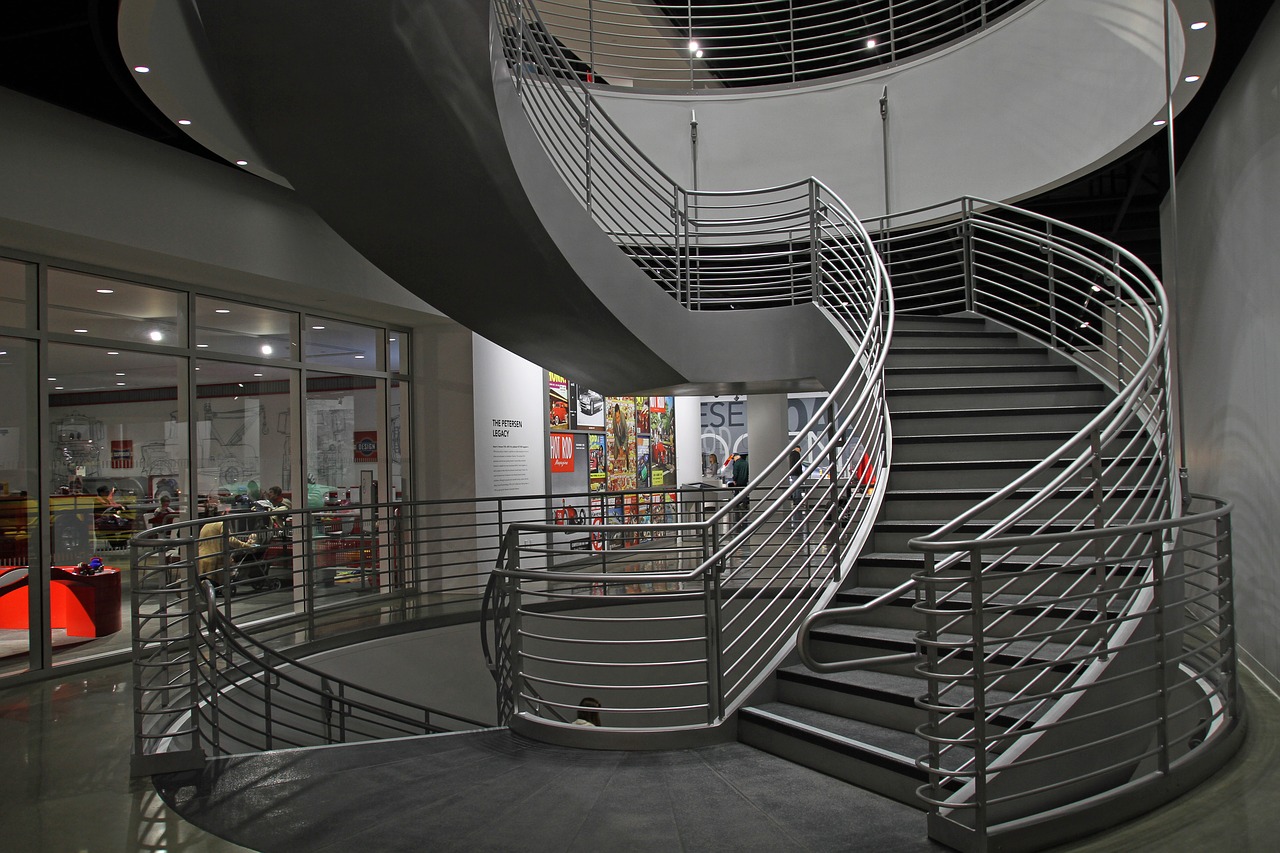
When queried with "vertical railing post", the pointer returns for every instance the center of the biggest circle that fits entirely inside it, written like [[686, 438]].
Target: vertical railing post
[[1119, 306], [982, 12], [1227, 622], [978, 629], [588, 176], [893, 41], [815, 248], [309, 576], [1160, 593], [966, 248], [791, 35], [711, 604], [515, 656], [1099, 543], [932, 675]]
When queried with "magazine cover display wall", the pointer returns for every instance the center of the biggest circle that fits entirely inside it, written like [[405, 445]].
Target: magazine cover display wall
[[610, 444]]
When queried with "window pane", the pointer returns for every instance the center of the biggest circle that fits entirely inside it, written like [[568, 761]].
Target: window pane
[[333, 344], [117, 310], [245, 330], [242, 431], [18, 494], [118, 439], [398, 352], [13, 292], [344, 437]]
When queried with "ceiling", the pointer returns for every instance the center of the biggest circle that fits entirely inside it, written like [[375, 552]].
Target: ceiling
[[65, 52]]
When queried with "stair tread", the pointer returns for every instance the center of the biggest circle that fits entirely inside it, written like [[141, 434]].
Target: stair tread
[[1074, 409], [925, 369], [898, 746], [904, 639], [995, 389]]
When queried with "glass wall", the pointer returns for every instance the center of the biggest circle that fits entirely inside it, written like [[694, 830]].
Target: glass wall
[[19, 511], [137, 404]]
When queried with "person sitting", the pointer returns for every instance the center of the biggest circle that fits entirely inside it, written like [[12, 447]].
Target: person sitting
[[221, 540], [588, 712], [164, 513]]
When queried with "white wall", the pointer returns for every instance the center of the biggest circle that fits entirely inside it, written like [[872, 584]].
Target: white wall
[[510, 422], [1228, 284], [999, 119]]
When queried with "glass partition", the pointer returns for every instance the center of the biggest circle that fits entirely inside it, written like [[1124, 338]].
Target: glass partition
[[99, 307], [13, 292], [19, 512], [234, 328], [118, 462], [336, 345]]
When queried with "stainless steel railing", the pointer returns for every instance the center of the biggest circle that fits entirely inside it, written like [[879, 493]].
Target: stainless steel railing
[[294, 581], [672, 633], [714, 45], [1051, 657]]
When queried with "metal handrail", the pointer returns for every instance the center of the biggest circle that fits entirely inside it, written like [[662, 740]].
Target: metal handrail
[[740, 575], [711, 45]]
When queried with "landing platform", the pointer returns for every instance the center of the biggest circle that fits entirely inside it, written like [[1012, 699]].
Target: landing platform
[[496, 791]]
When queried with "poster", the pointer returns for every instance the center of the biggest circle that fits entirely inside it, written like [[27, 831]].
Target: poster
[[620, 444], [642, 463], [597, 467], [366, 445], [662, 441], [558, 401], [724, 432], [588, 408]]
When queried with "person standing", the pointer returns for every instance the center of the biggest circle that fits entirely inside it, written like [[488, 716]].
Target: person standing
[[738, 479]]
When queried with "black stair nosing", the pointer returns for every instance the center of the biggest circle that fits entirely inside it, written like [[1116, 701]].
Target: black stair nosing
[[891, 558], [942, 319], [1066, 409], [982, 464], [1017, 528], [937, 390], [947, 369], [952, 349], [982, 494], [899, 690], [849, 747], [984, 332], [902, 640], [961, 601], [952, 438]]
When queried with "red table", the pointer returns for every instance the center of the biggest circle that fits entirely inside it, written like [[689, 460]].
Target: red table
[[85, 605]]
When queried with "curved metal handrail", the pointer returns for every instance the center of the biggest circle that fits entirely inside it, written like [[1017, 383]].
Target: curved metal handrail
[[744, 574], [287, 702], [711, 45]]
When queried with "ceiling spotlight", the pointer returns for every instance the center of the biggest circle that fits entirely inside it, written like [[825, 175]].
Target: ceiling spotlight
[[201, 346], [1159, 122], [58, 387], [222, 310], [119, 374], [141, 69], [871, 42], [184, 121], [693, 46], [53, 379], [112, 352], [156, 335], [698, 54], [1199, 25], [266, 349], [359, 356], [257, 374], [318, 328], [1191, 78], [105, 290], [242, 162], [81, 331], [119, 383], [1097, 288]]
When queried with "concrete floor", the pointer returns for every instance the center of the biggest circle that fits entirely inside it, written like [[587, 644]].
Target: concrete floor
[[65, 786]]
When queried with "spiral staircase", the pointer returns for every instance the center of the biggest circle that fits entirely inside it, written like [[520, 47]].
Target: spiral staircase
[[980, 590]]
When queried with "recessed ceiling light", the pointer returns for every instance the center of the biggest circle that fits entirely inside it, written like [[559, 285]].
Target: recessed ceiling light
[[105, 290], [266, 349], [119, 383], [1159, 122], [242, 162], [257, 374], [53, 379], [1199, 25], [359, 356], [80, 331], [693, 45], [184, 121], [141, 69], [1191, 78], [156, 335], [222, 310], [698, 54], [197, 368], [871, 42], [57, 387], [112, 352], [393, 340], [317, 328], [201, 346], [1097, 288]]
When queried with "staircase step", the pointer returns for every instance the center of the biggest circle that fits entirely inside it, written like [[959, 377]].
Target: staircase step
[[952, 337], [980, 398], [910, 322], [980, 445], [1014, 615], [964, 374], [894, 534], [991, 474], [869, 756], [905, 504], [922, 356], [931, 421]]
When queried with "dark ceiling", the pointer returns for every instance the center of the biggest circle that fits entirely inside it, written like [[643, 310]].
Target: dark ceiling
[[65, 52]]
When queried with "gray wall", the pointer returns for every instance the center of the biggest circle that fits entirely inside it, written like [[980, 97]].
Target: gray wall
[[1228, 285]]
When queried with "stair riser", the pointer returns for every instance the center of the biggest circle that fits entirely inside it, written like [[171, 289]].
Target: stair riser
[[994, 375], [897, 784], [935, 478], [974, 449], [982, 422], [978, 401], [879, 577], [928, 356], [937, 508], [1010, 626], [882, 712]]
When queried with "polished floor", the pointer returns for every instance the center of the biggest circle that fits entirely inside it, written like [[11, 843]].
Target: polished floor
[[65, 786]]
